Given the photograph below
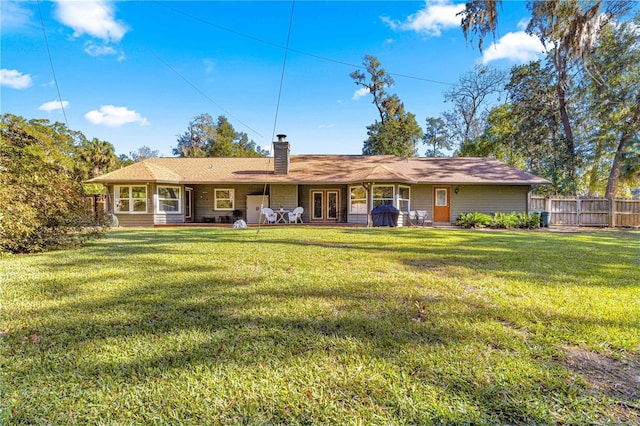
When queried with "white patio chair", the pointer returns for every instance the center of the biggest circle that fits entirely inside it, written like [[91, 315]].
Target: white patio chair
[[296, 215], [269, 215], [422, 217], [413, 218]]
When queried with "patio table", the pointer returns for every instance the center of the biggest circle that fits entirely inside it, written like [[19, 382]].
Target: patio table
[[282, 216]]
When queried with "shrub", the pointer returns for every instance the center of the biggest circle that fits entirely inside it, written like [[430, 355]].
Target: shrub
[[504, 220], [528, 221], [499, 220], [473, 220], [41, 202]]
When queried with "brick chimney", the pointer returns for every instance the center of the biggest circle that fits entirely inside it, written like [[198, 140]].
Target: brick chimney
[[281, 156]]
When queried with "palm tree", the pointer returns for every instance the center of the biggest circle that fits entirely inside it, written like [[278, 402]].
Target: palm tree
[[99, 155]]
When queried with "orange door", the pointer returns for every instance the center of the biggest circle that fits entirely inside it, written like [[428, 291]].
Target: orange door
[[441, 209]]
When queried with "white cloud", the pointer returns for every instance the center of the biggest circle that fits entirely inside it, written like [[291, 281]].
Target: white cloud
[[326, 126], [363, 91], [516, 47], [94, 18], [14, 79], [436, 16], [114, 116], [209, 66], [13, 15], [53, 106], [96, 50]]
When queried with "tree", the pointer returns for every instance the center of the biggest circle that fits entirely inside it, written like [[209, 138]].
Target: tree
[[435, 136], [470, 99], [41, 202], [206, 138], [397, 132], [497, 141], [143, 153], [613, 97], [537, 123], [96, 157], [570, 26]]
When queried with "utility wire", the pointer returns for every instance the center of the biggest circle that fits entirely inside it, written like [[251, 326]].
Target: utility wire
[[300, 52], [53, 70], [275, 119], [284, 65], [168, 65]]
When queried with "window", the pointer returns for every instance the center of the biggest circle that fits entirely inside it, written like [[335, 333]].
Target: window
[[441, 197], [130, 199], [169, 199], [404, 197], [224, 199], [357, 200], [382, 195]]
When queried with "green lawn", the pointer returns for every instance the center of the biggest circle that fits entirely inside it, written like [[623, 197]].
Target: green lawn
[[301, 325]]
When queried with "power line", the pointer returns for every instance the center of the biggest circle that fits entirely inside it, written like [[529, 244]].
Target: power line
[[53, 70], [300, 52], [197, 89], [284, 65]]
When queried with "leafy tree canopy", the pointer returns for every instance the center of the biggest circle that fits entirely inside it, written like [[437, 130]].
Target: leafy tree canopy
[[208, 138], [41, 202], [397, 132]]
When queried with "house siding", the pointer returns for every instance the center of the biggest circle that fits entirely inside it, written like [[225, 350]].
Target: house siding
[[132, 220], [204, 200], [283, 196], [488, 199], [135, 220], [304, 199]]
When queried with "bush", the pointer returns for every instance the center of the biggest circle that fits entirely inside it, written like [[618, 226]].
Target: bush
[[528, 221], [473, 220], [41, 202], [499, 220], [504, 221]]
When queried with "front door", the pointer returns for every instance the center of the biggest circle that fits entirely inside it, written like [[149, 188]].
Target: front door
[[325, 205], [441, 208]]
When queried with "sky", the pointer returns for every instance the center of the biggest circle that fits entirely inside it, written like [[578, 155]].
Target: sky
[[135, 73]]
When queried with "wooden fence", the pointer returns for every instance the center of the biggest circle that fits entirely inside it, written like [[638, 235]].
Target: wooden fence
[[94, 204], [577, 211]]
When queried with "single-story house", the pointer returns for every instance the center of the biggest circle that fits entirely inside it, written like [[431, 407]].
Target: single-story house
[[330, 188]]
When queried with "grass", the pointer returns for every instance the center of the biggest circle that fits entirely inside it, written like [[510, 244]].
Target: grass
[[302, 325]]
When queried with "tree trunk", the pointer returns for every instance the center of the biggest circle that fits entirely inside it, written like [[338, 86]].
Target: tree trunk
[[612, 182], [595, 170], [561, 68], [627, 135]]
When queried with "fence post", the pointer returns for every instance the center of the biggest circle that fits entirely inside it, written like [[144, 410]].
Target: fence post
[[612, 212], [547, 207]]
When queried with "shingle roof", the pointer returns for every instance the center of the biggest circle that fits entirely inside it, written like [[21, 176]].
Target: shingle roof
[[342, 169]]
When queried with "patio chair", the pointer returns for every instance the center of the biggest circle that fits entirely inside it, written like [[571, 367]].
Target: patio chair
[[413, 218], [422, 217], [269, 215], [296, 215]]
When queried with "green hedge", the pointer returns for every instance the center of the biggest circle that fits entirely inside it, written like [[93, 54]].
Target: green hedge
[[499, 220]]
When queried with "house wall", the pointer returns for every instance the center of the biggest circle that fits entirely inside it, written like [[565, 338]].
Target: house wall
[[304, 200], [166, 218], [133, 220], [482, 198], [204, 200], [283, 196], [488, 199]]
